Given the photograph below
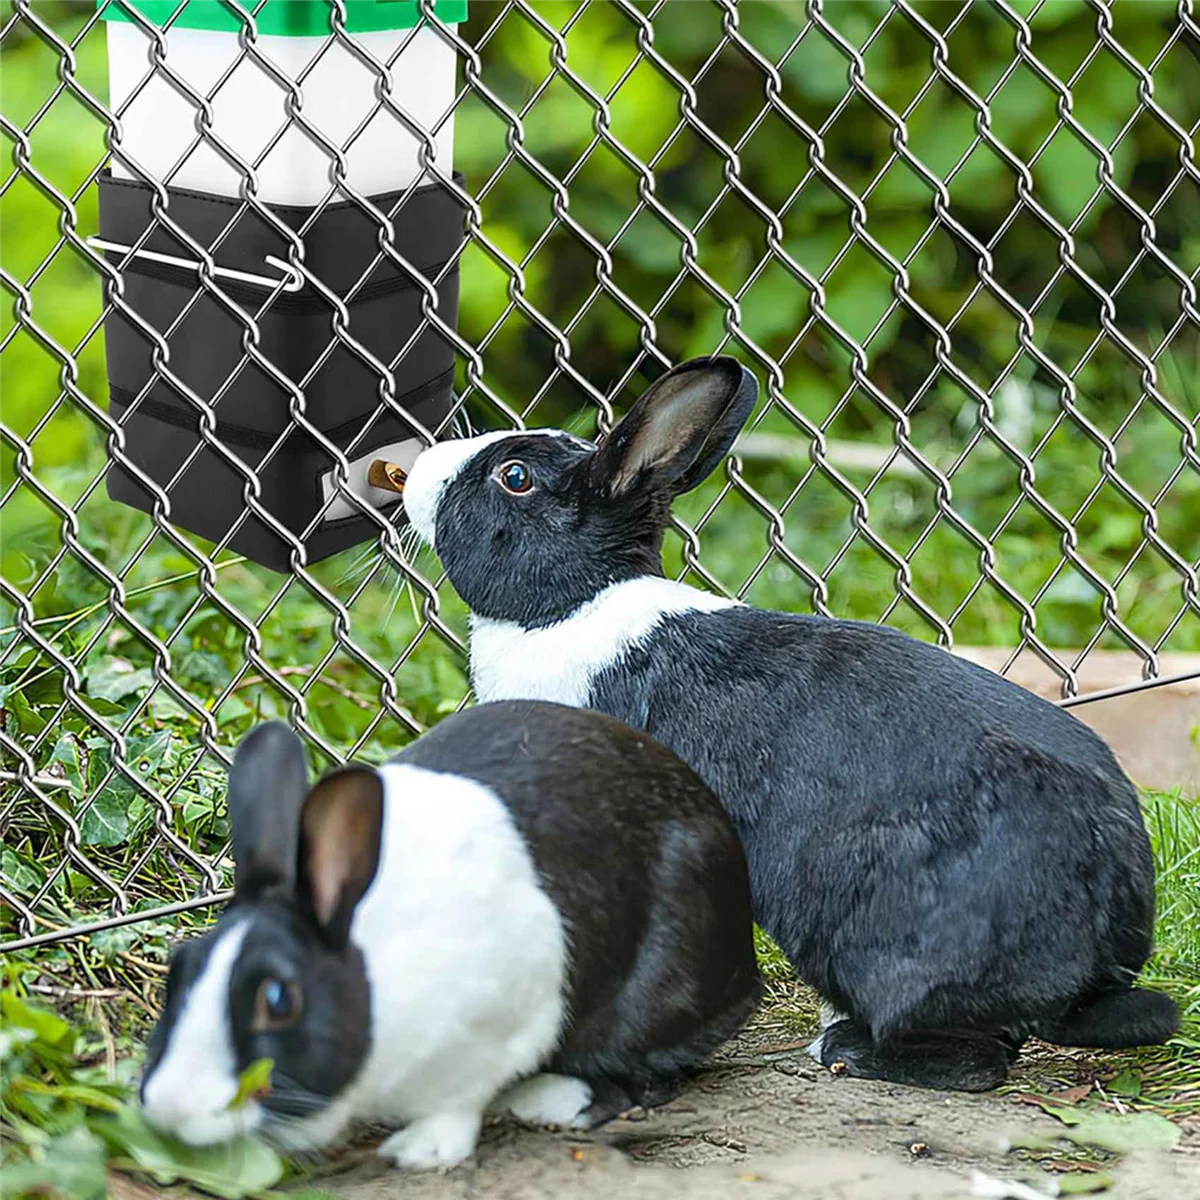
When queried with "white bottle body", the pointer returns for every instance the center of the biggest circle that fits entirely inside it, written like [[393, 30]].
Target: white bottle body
[[249, 110]]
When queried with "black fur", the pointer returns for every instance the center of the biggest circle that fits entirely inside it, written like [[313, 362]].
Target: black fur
[[939, 852], [645, 867], [931, 846], [324, 1051], [966, 1061], [266, 788], [631, 847], [561, 507]]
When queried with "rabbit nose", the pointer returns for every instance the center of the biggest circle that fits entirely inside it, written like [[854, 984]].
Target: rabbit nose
[[164, 1110]]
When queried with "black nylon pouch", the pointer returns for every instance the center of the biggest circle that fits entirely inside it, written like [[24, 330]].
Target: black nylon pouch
[[342, 395]]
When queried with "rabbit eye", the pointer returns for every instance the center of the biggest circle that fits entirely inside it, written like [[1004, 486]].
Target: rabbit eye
[[277, 1005], [515, 477]]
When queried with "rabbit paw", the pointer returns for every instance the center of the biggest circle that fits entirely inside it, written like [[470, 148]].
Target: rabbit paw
[[434, 1143], [829, 1016], [555, 1100]]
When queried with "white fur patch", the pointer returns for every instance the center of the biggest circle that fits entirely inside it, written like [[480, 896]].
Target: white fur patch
[[556, 1100], [467, 960], [433, 472], [559, 662], [434, 1144], [828, 1015], [189, 1090]]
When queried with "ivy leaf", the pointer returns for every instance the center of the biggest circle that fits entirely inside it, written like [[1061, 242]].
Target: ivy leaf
[[45, 1025], [195, 807], [106, 823], [1107, 1131], [20, 872], [1121, 1133], [1127, 1083], [255, 1080], [116, 679], [165, 707], [232, 1169], [29, 719]]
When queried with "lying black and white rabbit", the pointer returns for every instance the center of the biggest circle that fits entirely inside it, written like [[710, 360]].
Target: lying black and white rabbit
[[527, 888], [950, 861]]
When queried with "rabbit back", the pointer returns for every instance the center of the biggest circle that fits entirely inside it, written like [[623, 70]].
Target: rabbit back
[[881, 776], [643, 867]]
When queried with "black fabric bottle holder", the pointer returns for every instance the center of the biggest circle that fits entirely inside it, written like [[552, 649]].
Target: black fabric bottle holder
[[342, 396]]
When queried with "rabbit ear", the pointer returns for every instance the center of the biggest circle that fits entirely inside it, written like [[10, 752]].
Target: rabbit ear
[[340, 831], [680, 429], [267, 783]]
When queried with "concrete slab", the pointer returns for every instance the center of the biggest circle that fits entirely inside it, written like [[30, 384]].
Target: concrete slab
[[1155, 734]]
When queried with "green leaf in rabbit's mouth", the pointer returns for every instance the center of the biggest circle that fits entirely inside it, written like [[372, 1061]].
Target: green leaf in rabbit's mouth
[[255, 1080]]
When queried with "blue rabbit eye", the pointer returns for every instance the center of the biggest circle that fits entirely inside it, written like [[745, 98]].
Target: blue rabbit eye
[[516, 477], [277, 1004]]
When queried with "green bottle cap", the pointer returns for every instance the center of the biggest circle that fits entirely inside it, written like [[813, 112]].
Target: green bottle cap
[[284, 18]]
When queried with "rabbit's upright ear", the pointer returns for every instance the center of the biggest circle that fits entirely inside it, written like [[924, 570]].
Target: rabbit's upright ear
[[680, 429], [267, 785], [340, 831]]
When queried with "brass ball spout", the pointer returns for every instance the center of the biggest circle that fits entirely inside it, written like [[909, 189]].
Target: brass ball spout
[[387, 475]]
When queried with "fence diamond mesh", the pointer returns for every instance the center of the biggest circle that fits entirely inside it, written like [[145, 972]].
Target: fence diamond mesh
[[958, 244]]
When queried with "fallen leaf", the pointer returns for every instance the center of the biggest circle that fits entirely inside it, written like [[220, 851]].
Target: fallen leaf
[[1076, 1184], [1131, 1131], [1106, 1131], [1128, 1083]]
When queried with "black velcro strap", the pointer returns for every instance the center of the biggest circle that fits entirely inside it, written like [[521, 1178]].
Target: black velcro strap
[[239, 435]]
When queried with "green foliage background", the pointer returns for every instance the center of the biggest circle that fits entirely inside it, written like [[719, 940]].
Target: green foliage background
[[533, 271]]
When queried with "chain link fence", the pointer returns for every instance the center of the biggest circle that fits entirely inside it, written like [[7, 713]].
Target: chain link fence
[[958, 243]]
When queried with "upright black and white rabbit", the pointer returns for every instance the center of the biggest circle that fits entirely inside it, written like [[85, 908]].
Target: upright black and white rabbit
[[950, 861], [527, 888]]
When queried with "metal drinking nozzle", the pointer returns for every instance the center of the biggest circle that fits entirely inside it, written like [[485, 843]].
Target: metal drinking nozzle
[[387, 475]]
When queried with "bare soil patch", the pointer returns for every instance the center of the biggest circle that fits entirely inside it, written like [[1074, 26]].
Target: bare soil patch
[[764, 1121]]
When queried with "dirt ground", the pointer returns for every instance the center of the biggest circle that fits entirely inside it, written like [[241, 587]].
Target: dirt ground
[[764, 1121]]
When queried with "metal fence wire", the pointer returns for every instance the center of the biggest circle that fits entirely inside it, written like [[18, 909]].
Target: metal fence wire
[[958, 243]]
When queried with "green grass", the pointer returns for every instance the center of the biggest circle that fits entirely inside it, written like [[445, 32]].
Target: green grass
[[66, 1098]]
